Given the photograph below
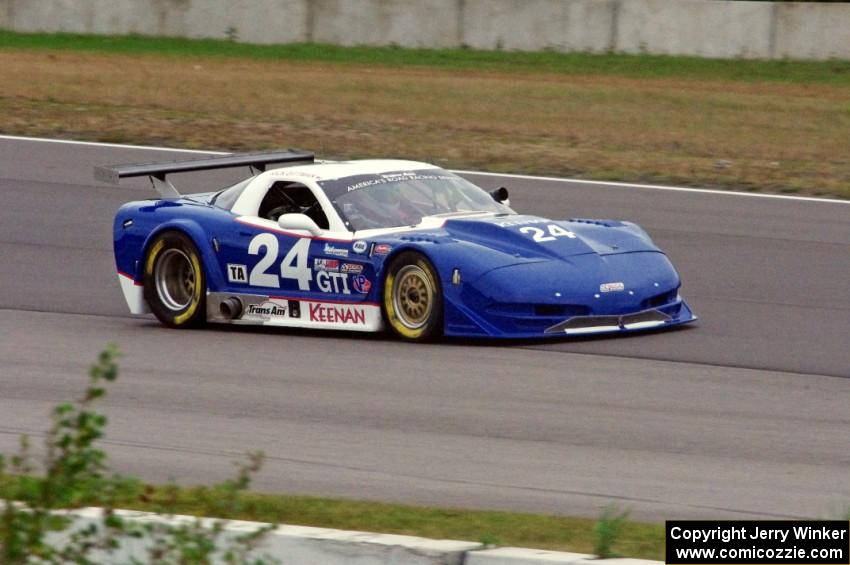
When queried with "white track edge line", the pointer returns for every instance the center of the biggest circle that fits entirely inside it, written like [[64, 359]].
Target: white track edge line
[[480, 173], [662, 187], [116, 145]]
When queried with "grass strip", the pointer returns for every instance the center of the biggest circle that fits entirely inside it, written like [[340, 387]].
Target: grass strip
[[637, 66], [778, 126], [639, 540]]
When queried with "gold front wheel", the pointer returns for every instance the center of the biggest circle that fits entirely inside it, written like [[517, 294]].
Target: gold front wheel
[[413, 296], [412, 300]]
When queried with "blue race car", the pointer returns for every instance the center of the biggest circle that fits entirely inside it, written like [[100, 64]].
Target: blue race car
[[365, 245]]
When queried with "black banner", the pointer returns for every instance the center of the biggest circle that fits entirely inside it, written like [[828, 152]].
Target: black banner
[[744, 542]]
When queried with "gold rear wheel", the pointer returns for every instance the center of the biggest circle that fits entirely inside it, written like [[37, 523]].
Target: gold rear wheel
[[174, 277], [174, 281]]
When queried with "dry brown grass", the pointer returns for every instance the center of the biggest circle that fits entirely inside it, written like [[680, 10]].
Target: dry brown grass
[[773, 136]]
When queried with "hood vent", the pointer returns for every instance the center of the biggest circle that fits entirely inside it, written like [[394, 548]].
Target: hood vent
[[603, 223]]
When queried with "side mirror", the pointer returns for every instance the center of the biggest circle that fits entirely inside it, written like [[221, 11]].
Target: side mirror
[[298, 222], [500, 195]]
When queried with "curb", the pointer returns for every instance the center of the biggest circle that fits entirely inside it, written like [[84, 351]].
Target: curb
[[523, 556], [305, 544]]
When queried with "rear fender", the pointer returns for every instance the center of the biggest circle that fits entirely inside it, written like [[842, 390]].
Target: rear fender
[[199, 237]]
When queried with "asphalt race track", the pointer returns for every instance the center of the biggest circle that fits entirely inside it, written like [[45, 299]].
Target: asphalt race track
[[745, 414]]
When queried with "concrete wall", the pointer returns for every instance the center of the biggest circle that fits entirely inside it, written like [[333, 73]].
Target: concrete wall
[[532, 25], [696, 27], [704, 28], [255, 21], [798, 29], [408, 23]]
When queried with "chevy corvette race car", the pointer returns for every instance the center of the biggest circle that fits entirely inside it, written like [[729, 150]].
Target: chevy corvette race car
[[373, 244]]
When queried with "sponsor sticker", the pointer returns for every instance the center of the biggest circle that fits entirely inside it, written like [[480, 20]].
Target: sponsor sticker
[[237, 273], [266, 310], [398, 175], [612, 287], [335, 251], [338, 314], [326, 265], [351, 268], [294, 309], [382, 249], [360, 246], [522, 222], [337, 187], [365, 184], [361, 284], [332, 282], [290, 173]]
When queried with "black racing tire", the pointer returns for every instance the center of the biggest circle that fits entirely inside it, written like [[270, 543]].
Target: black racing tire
[[174, 281], [412, 302]]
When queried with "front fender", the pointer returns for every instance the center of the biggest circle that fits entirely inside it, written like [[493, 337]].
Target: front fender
[[471, 260]]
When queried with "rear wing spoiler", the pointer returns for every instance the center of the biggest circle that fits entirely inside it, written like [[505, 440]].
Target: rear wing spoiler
[[112, 174]]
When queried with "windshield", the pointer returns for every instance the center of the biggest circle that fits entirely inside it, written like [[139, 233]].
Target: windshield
[[403, 198]]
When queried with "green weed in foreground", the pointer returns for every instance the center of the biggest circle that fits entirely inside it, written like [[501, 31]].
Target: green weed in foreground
[[76, 472], [609, 530], [640, 66]]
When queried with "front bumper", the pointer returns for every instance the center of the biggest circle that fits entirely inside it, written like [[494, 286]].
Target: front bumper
[[461, 321], [580, 295], [643, 320]]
